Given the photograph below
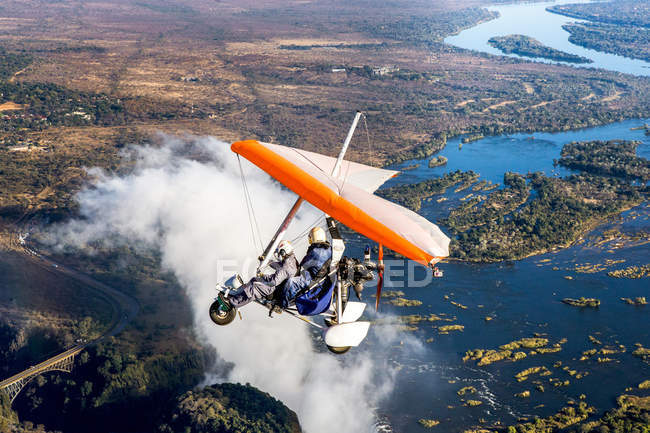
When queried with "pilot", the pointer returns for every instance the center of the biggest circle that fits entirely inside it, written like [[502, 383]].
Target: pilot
[[314, 266], [261, 287]]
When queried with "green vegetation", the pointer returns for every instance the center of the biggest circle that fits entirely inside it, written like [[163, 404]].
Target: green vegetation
[[568, 416], [530, 47], [12, 63], [414, 319], [473, 137], [621, 27], [640, 300], [582, 302], [499, 203], [527, 343], [642, 352], [411, 195], [508, 351], [107, 379], [428, 423], [607, 158], [623, 12], [446, 328], [633, 272], [401, 302], [230, 407], [7, 416], [466, 390], [632, 415], [437, 161], [428, 29], [628, 41], [510, 226], [24, 343], [523, 375]]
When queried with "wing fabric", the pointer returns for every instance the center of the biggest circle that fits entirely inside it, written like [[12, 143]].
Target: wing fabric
[[349, 199], [363, 176]]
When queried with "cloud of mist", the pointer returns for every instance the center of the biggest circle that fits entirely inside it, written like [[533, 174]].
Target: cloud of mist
[[186, 199]]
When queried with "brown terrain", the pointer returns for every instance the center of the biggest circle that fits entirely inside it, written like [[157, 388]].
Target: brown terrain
[[224, 68]]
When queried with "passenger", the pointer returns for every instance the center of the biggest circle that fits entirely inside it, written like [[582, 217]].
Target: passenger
[[261, 287], [314, 265]]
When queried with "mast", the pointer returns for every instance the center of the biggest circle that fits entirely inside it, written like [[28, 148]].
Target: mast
[[277, 237], [346, 143]]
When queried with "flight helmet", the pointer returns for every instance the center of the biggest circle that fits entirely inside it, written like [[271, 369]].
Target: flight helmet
[[284, 249], [317, 235]]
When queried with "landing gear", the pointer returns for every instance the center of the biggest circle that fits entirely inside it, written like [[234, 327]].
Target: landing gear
[[338, 350], [220, 315]]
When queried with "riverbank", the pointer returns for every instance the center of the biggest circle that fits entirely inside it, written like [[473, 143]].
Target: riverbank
[[534, 213]]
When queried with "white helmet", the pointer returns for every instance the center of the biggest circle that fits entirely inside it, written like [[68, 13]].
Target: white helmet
[[284, 249], [317, 235]]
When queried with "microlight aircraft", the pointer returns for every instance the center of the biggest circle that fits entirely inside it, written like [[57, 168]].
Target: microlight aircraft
[[343, 191]]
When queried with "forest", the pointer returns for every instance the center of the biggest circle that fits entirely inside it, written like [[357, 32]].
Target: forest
[[229, 407], [628, 41], [608, 158], [530, 47], [534, 213], [427, 29], [621, 27], [624, 12]]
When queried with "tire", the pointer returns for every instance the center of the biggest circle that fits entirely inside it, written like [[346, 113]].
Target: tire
[[339, 350], [221, 317]]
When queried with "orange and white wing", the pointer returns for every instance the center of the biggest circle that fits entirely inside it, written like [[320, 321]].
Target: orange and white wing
[[348, 198]]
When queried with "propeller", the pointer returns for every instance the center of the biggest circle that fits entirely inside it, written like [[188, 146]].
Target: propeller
[[380, 275]]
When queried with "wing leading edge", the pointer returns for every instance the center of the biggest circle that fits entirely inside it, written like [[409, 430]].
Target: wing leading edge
[[348, 198]]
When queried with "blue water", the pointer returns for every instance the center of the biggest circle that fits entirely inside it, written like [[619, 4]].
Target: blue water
[[520, 153], [523, 297], [533, 20]]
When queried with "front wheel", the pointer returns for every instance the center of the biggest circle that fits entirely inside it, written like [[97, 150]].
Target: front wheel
[[221, 317], [339, 350]]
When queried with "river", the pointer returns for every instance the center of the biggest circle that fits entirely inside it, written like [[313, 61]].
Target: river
[[532, 19], [523, 298]]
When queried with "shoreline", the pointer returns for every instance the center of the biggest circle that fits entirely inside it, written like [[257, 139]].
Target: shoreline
[[590, 227], [401, 157]]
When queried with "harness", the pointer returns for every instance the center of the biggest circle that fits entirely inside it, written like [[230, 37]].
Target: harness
[[323, 274]]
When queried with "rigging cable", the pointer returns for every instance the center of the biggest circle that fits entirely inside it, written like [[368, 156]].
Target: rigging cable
[[249, 207], [369, 144], [300, 237]]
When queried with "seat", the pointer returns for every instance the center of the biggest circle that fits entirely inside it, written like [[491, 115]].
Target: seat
[[318, 299]]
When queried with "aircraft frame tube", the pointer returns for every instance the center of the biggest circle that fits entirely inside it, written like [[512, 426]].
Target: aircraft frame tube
[[266, 256], [346, 143]]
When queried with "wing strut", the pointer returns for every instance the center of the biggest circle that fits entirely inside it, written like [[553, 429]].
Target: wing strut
[[277, 237], [380, 275]]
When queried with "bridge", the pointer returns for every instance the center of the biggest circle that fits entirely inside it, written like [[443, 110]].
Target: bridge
[[60, 362], [124, 309]]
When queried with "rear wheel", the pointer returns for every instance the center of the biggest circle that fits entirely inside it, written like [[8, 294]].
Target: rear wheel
[[339, 350], [221, 317]]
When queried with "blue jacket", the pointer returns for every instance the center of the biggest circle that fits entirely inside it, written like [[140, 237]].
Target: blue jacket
[[317, 255]]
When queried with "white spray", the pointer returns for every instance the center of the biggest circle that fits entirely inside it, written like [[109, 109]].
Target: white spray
[[186, 199]]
